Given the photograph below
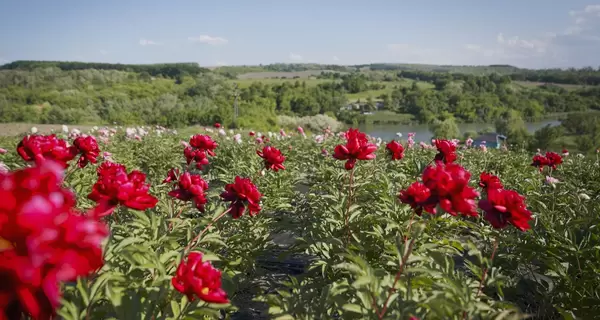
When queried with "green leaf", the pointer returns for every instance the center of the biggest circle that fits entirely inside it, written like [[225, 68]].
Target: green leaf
[[175, 308], [352, 308]]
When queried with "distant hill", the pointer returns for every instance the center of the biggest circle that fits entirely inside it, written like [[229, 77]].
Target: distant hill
[[583, 76], [164, 69]]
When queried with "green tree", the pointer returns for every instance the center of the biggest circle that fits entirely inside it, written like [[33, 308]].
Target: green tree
[[511, 125], [447, 128]]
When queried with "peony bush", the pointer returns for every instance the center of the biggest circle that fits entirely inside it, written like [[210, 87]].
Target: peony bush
[[100, 225]]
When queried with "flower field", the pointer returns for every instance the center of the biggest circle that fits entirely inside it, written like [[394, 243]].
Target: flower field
[[145, 223]]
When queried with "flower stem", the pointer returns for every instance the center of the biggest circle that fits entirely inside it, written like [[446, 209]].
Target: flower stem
[[205, 229], [349, 202], [410, 223], [69, 172], [398, 274], [177, 216], [485, 271]]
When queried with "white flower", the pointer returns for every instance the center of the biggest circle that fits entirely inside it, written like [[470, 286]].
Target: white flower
[[319, 138], [231, 131], [3, 167], [130, 131], [237, 138], [399, 134], [579, 155], [65, 129], [95, 128], [34, 130], [584, 196], [222, 132]]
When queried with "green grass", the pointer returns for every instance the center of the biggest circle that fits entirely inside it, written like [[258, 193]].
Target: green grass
[[531, 84], [272, 74], [245, 83], [352, 97]]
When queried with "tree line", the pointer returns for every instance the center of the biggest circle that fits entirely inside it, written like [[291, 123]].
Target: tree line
[[63, 95], [171, 70]]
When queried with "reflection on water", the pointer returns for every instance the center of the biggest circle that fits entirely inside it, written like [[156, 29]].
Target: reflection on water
[[388, 131]]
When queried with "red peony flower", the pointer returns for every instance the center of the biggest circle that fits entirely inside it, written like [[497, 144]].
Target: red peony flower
[[273, 158], [357, 148], [417, 196], [43, 241], [198, 156], [540, 161], [251, 133], [115, 186], [38, 148], [449, 185], [503, 207], [108, 168], [241, 193], [396, 150], [172, 175], [446, 151], [217, 125], [554, 159], [196, 277], [489, 181], [88, 147], [191, 187], [204, 143]]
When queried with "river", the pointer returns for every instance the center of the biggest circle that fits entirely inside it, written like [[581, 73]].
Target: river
[[388, 131]]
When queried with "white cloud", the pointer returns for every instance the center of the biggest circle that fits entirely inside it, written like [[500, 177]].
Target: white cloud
[[295, 57], [103, 52], [593, 8], [145, 42], [578, 44], [3, 61], [221, 63], [213, 41], [335, 58]]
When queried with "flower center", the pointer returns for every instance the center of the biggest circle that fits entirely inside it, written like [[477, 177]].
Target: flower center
[[5, 244]]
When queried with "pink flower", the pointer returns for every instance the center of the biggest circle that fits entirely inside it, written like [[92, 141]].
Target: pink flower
[[551, 180], [469, 142]]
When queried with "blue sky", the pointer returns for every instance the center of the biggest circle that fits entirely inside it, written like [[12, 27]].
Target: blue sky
[[526, 33]]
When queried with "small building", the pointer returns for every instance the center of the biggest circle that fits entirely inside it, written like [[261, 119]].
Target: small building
[[492, 140]]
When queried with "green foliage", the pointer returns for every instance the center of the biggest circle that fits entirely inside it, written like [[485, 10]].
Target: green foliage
[[171, 70], [431, 269], [178, 95], [446, 128], [511, 125]]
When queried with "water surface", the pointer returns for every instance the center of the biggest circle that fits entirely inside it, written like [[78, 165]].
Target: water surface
[[388, 131]]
